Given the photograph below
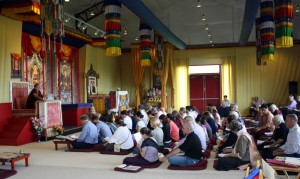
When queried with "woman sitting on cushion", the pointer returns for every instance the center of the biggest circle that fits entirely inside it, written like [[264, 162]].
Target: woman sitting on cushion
[[140, 123], [148, 150], [157, 132], [243, 151], [122, 136]]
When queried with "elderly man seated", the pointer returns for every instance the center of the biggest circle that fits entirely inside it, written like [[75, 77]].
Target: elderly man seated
[[102, 128], [291, 148], [265, 122], [191, 147], [89, 134]]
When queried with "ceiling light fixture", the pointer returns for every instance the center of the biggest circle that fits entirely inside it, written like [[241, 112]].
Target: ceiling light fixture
[[125, 32], [206, 27], [203, 17], [79, 24], [136, 38], [84, 27], [92, 13], [68, 19], [297, 8], [199, 4], [67, 0], [211, 41], [209, 34], [96, 33]]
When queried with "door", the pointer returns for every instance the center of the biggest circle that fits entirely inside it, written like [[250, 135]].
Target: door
[[204, 90]]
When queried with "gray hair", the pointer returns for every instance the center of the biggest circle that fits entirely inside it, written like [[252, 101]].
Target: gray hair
[[189, 124], [293, 117], [235, 125], [234, 107], [188, 118], [273, 107], [278, 119]]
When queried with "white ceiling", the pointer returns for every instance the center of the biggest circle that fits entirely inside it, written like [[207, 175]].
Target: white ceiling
[[184, 19]]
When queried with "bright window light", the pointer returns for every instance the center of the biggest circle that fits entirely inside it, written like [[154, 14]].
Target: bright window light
[[205, 69]]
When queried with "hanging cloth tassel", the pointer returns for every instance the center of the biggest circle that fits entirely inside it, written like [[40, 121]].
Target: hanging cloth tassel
[[145, 44], [113, 27], [284, 23], [267, 30], [159, 53]]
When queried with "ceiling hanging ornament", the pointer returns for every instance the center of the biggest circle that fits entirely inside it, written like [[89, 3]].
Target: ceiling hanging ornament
[[267, 30], [113, 27], [145, 44], [284, 23], [259, 63]]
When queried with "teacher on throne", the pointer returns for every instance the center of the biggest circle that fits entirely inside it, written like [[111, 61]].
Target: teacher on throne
[[34, 95]]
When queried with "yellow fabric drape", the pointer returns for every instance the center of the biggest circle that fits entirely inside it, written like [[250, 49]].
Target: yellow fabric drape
[[172, 73], [138, 71], [228, 78], [36, 43], [163, 74], [181, 83]]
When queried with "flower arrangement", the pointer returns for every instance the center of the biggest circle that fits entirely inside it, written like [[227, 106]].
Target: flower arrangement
[[58, 129], [38, 124]]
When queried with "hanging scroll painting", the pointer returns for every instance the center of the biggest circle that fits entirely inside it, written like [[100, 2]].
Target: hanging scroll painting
[[65, 82]]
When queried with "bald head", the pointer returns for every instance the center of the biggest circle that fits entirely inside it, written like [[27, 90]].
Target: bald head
[[188, 127]]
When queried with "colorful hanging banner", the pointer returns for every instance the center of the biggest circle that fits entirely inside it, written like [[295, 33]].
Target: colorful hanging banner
[[145, 44], [113, 27], [267, 30], [284, 23]]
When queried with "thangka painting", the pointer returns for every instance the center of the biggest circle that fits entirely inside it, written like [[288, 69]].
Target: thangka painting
[[92, 88], [18, 94], [16, 67], [53, 114], [124, 100], [65, 82], [35, 71]]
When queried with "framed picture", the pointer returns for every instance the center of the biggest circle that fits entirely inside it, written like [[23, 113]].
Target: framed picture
[[92, 85], [92, 81]]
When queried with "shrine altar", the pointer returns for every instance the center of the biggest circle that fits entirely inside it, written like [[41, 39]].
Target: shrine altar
[[71, 113], [50, 111]]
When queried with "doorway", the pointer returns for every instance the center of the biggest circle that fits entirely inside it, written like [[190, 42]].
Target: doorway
[[205, 90]]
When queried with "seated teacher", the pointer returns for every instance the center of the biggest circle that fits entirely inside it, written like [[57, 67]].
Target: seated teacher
[[89, 134], [34, 96], [148, 150], [191, 147]]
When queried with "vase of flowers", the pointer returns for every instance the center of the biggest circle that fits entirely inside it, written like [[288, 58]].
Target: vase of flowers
[[39, 126], [58, 129]]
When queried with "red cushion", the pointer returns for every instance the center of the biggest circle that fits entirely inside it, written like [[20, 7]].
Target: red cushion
[[130, 171], [81, 150], [115, 153], [201, 165], [154, 165], [206, 154]]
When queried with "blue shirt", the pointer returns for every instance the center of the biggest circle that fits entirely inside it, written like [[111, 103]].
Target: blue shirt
[[89, 133], [103, 129]]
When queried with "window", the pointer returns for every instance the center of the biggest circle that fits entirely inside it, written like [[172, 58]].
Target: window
[[205, 69]]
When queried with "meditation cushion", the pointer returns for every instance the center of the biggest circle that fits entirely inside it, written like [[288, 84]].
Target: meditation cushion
[[209, 147], [154, 165], [201, 165], [206, 154], [130, 171], [116, 153], [80, 150]]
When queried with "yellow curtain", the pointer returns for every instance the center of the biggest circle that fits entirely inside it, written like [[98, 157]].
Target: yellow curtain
[[138, 71], [228, 78], [181, 83], [172, 73], [163, 74]]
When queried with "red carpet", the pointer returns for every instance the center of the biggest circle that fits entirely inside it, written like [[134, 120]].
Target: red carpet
[[7, 173]]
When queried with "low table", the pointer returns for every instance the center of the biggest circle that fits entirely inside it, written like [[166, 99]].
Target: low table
[[13, 157], [286, 169], [56, 142]]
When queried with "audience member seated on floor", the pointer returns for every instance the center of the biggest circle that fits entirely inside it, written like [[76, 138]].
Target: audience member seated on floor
[[161, 111], [108, 121], [174, 130], [134, 121], [140, 123], [278, 138], [243, 151], [144, 113], [190, 112], [256, 103], [291, 148], [265, 123], [191, 147], [102, 128], [182, 112], [166, 130], [298, 103], [157, 132], [211, 122], [127, 120], [293, 104], [122, 136], [230, 139], [206, 127], [89, 134], [195, 110], [235, 108], [148, 151], [178, 121], [216, 117], [34, 96], [274, 110], [199, 131]]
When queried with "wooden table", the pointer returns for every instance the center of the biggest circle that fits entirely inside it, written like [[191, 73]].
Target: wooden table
[[18, 158], [286, 169], [56, 142]]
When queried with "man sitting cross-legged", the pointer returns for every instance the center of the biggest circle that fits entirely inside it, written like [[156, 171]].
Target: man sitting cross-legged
[[102, 128], [89, 135], [191, 147]]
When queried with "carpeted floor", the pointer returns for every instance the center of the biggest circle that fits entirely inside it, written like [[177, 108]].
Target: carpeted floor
[[46, 163]]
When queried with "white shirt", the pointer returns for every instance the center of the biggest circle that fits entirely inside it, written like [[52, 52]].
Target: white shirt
[[140, 125], [122, 136], [145, 118], [201, 135], [183, 115], [159, 113], [225, 103], [191, 115], [158, 134], [195, 114], [128, 122], [292, 144]]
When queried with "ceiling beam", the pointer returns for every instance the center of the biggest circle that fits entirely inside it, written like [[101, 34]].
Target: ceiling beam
[[251, 9], [144, 13], [85, 15]]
